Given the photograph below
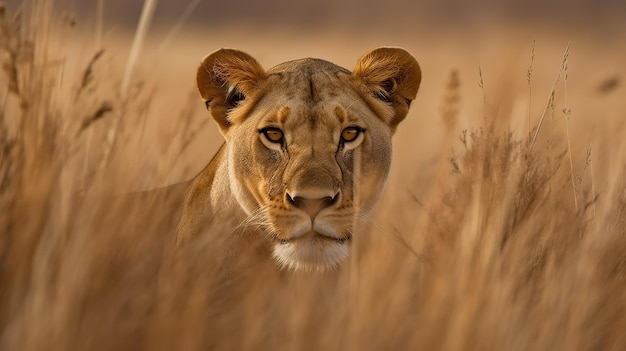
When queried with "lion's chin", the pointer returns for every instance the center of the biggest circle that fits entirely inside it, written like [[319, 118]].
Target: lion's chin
[[311, 253]]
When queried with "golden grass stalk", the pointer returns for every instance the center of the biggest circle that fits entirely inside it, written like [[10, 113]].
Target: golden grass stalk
[[529, 76], [568, 115], [550, 101], [135, 49], [171, 34]]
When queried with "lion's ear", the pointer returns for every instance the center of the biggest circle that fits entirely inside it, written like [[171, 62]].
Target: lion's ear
[[224, 78], [391, 75]]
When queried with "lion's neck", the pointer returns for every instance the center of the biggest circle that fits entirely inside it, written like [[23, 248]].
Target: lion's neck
[[210, 203], [223, 203]]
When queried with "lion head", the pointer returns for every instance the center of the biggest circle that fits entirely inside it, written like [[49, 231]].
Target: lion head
[[308, 144]]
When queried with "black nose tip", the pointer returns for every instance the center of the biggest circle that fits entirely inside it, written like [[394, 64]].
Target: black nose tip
[[312, 206]]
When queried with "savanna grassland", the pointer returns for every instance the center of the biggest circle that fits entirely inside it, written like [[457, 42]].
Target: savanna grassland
[[503, 225]]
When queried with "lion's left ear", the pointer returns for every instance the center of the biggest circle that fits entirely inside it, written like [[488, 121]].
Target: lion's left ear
[[391, 75], [224, 78]]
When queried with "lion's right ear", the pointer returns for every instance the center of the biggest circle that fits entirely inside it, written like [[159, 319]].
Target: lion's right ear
[[393, 76], [224, 78]]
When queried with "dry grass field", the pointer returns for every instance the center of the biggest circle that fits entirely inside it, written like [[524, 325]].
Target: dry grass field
[[502, 227]]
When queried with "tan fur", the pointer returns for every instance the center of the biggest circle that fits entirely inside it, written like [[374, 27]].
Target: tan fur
[[302, 198]]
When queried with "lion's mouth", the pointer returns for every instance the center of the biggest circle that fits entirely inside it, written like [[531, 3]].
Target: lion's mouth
[[319, 237], [312, 251]]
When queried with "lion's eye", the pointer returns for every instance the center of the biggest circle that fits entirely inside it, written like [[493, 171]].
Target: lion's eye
[[274, 135], [350, 134]]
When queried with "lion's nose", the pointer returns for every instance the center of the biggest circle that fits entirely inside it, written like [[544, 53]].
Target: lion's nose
[[312, 205]]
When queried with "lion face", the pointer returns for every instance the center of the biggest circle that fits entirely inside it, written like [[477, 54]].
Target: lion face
[[308, 144]]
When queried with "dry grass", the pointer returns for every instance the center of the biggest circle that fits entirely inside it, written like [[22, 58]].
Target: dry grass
[[500, 255]]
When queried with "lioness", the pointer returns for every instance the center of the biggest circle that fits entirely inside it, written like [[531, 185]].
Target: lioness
[[307, 150]]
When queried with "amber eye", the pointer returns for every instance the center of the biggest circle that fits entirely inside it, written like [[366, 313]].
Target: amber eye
[[350, 134], [274, 135]]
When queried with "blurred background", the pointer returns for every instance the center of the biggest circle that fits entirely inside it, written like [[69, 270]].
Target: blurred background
[[352, 15]]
